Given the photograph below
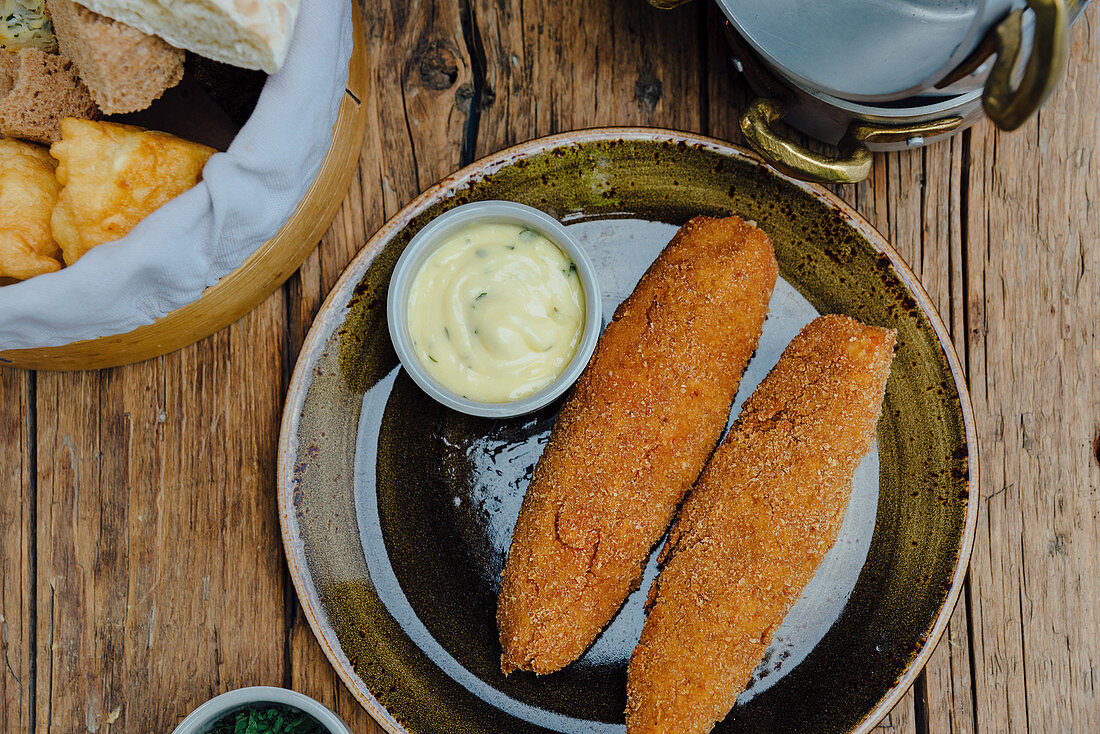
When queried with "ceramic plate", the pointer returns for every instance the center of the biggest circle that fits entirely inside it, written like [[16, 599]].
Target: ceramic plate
[[397, 513]]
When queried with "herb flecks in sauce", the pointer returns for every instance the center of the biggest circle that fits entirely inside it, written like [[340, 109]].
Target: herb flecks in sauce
[[509, 303]]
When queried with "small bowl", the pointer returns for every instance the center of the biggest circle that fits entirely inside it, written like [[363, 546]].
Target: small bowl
[[434, 234], [204, 716]]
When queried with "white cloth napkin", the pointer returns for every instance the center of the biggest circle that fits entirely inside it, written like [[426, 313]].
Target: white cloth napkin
[[246, 195]]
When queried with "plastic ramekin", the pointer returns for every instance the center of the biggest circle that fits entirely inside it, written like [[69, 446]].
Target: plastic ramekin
[[430, 238]]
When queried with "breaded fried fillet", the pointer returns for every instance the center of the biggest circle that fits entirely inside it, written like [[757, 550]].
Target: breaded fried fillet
[[631, 440], [753, 531]]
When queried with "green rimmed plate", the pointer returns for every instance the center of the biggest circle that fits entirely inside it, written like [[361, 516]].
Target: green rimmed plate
[[396, 513]]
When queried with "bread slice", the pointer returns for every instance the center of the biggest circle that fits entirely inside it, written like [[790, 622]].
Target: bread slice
[[125, 69], [253, 34], [37, 90]]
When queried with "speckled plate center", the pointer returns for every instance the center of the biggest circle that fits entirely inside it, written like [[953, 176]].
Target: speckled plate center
[[397, 512]]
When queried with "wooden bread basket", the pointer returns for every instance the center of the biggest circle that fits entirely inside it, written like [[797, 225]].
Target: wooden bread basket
[[261, 273]]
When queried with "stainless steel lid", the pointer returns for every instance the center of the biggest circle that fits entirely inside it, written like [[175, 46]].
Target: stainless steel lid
[[866, 50]]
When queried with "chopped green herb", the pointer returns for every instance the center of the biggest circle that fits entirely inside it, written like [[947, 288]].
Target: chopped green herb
[[570, 270], [510, 247], [528, 234], [480, 296], [447, 332], [433, 358], [267, 719]]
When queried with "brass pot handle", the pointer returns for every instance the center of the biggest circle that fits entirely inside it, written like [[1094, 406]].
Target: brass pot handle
[[1007, 107], [853, 165], [854, 162]]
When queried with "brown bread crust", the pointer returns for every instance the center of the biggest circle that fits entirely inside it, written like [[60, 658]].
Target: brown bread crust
[[38, 90], [125, 69]]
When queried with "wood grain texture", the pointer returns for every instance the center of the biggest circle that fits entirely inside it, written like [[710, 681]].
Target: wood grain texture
[[551, 66], [16, 549], [142, 568], [158, 551], [1034, 361]]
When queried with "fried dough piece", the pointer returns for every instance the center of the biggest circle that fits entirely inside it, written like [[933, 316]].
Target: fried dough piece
[[631, 439], [113, 177], [753, 531], [28, 191]]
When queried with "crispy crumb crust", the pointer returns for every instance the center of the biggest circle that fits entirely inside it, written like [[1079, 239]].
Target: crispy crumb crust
[[753, 531], [631, 439]]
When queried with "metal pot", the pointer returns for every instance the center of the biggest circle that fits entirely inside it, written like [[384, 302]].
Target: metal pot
[[863, 51], [890, 74]]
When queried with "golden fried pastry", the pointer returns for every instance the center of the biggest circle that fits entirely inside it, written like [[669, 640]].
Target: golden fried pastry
[[28, 191], [113, 177], [757, 525], [630, 441]]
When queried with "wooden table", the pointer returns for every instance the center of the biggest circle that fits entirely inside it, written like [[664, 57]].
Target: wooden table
[[142, 569]]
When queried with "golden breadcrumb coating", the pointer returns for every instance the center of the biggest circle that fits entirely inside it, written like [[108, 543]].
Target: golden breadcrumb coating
[[753, 531], [28, 191], [113, 177], [631, 439]]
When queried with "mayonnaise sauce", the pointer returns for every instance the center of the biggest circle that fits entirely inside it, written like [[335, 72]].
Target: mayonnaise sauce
[[496, 313]]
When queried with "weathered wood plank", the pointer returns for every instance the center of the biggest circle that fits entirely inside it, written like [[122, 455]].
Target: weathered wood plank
[[159, 558], [76, 515], [552, 66], [1034, 363], [948, 681], [220, 471], [726, 91], [16, 548], [423, 85]]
